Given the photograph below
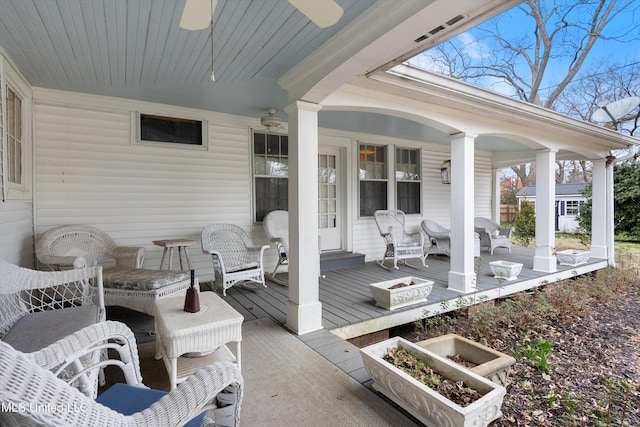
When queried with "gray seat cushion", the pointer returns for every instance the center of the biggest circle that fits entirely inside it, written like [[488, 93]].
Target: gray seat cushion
[[37, 330], [139, 279]]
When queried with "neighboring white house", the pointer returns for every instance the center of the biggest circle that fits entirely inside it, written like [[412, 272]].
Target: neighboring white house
[[569, 198], [363, 131]]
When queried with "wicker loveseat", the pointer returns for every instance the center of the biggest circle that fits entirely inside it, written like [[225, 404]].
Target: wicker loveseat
[[31, 383], [79, 246], [38, 308], [125, 283]]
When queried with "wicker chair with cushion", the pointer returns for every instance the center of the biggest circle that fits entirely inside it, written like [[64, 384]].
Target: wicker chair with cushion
[[125, 283], [236, 259], [38, 308], [30, 386], [400, 245], [439, 236], [79, 246], [492, 235], [276, 227]]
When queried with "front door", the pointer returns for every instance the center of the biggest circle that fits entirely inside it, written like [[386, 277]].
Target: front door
[[329, 205]]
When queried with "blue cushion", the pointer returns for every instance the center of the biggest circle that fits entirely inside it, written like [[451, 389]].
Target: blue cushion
[[128, 400]]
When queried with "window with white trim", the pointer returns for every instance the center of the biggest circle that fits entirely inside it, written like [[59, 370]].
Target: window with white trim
[[572, 207], [372, 174], [270, 173], [408, 182], [14, 145]]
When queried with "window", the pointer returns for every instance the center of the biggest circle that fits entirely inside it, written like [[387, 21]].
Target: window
[[572, 207], [270, 173], [14, 138], [156, 129], [373, 178], [408, 181]]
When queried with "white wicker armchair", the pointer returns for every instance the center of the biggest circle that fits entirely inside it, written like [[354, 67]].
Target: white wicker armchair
[[235, 257], [276, 227], [400, 245], [439, 237], [29, 389], [492, 235], [38, 308], [80, 246]]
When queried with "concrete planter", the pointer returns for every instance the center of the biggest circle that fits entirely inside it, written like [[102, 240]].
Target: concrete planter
[[573, 257], [428, 406], [505, 270], [390, 299], [490, 364]]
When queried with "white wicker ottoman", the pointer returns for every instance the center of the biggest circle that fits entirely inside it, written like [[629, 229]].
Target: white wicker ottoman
[[138, 289], [205, 335]]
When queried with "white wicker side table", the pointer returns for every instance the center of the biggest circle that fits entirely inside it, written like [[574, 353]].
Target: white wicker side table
[[179, 333]]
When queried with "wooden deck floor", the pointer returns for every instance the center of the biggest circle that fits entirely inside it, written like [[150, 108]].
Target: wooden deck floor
[[348, 309]]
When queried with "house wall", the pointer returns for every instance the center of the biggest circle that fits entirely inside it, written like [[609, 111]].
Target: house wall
[[88, 171]]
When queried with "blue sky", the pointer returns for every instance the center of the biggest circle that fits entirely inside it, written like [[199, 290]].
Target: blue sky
[[515, 25]]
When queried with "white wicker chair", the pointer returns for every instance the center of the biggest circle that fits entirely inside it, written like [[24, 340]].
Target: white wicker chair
[[439, 236], [38, 308], [29, 385], [79, 246], [400, 245], [235, 257], [276, 227], [492, 235]]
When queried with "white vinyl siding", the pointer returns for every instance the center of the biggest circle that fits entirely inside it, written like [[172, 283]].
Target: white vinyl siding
[[88, 172]]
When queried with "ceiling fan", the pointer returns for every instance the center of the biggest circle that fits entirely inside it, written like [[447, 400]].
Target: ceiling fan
[[324, 13]]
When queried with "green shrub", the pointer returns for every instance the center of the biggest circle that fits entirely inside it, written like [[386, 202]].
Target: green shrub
[[525, 223]]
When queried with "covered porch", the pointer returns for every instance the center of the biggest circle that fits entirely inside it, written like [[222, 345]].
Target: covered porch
[[348, 309]]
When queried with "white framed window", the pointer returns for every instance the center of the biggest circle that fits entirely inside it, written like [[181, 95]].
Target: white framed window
[[572, 207], [408, 180], [15, 139], [270, 173], [373, 178], [175, 132]]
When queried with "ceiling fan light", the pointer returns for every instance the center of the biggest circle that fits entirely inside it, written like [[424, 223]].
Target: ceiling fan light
[[197, 14], [323, 13]]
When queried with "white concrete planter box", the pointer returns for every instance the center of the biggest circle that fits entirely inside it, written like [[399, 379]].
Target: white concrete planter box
[[490, 363], [505, 270], [428, 406], [390, 299], [573, 257]]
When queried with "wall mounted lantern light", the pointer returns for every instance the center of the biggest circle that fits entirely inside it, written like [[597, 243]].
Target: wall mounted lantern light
[[445, 172]]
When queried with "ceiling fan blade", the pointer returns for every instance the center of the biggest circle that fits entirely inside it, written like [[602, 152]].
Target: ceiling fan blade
[[196, 14], [323, 13]]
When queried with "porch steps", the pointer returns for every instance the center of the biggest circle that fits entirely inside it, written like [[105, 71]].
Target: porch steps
[[335, 260]]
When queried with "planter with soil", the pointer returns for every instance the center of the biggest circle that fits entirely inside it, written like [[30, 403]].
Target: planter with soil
[[478, 358], [396, 293], [477, 400]]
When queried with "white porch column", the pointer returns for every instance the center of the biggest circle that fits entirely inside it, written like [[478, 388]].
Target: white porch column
[[462, 275], [610, 211], [544, 259], [599, 204], [496, 195], [304, 310]]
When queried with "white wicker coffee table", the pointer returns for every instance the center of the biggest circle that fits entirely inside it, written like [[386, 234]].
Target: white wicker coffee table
[[207, 332]]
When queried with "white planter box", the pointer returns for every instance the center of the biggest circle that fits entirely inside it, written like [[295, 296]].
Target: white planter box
[[428, 406], [573, 257], [505, 270], [490, 363], [390, 299]]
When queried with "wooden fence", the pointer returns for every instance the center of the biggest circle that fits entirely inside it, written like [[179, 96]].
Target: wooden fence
[[508, 213]]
